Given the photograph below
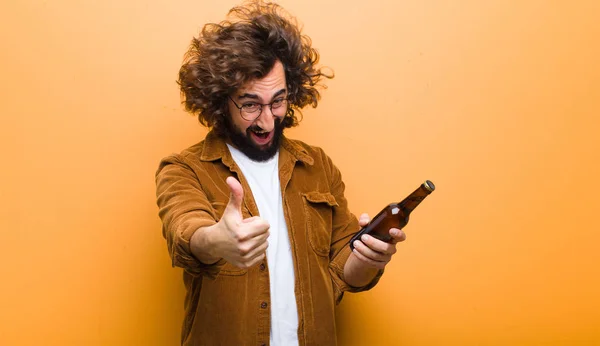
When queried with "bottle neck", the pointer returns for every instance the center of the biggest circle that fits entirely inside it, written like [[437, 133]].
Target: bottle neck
[[415, 198]]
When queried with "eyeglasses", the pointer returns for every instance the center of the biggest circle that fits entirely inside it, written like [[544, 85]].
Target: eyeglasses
[[251, 110]]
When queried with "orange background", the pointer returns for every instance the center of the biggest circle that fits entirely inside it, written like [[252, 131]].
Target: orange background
[[497, 102]]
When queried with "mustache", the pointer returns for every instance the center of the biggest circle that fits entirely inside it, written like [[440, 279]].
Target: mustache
[[255, 128]]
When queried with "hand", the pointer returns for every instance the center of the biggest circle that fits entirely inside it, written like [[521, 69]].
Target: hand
[[241, 242], [374, 252]]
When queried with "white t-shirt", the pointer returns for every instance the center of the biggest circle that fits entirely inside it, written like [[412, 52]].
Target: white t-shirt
[[263, 178]]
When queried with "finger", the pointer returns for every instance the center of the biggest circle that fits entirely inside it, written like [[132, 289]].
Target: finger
[[398, 235], [371, 253], [256, 252], [363, 220], [236, 197], [251, 240], [245, 264], [365, 259], [377, 245], [245, 250], [253, 228], [256, 260], [250, 219]]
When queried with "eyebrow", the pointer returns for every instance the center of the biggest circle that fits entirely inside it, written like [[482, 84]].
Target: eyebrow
[[255, 97]]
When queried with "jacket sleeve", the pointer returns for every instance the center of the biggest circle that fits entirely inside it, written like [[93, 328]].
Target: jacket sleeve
[[183, 209], [345, 225]]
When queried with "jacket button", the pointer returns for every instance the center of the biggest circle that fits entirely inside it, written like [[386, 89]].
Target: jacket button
[[262, 267], [264, 305]]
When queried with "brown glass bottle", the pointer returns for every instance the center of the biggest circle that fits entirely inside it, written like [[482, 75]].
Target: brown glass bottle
[[394, 215]]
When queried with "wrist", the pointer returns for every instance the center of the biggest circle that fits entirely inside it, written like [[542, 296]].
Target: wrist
[[202, 245], [357, 273]]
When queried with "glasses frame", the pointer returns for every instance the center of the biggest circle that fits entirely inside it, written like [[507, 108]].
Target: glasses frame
[[260, 109]]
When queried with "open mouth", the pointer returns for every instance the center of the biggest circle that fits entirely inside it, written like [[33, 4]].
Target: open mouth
[[261, 134], [261, 137]]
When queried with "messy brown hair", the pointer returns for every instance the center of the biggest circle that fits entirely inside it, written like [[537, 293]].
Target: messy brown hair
[[245, 47]]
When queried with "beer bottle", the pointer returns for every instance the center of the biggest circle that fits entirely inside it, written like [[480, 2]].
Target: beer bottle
[[394, 215]]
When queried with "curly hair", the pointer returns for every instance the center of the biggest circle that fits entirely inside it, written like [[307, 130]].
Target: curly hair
[[227, 55]]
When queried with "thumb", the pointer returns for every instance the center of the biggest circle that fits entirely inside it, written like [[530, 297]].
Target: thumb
[[236, 196], [363, 220]]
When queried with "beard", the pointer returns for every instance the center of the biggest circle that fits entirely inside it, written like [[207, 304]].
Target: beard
[[244, 144]]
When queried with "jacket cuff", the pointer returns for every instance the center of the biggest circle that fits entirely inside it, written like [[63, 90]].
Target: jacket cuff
[[181, 253], [339, 283]]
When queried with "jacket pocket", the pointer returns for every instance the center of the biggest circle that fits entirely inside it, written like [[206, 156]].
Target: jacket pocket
[[231, 270], [319, 212]]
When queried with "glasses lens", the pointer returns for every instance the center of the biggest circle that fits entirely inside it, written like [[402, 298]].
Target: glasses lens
[[251, 108], [252, 111], [250, 116], [279, 107]]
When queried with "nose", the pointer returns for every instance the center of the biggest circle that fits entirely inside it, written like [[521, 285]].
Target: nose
[[266, 119]]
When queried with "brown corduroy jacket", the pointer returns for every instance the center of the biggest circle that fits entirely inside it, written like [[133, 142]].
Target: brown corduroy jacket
[[226, 305]]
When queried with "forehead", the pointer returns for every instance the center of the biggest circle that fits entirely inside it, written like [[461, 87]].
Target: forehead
[[265, 87]]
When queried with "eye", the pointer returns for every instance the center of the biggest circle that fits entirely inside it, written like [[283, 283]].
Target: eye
[[250, 106], [277, 103]]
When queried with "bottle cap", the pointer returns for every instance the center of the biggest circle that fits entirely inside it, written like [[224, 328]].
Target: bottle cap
[[429, 185]]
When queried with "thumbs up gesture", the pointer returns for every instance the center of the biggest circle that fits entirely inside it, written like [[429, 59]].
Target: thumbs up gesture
[[241, 242]]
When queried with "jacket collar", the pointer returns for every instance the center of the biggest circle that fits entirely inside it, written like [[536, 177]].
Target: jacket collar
[[215, 148]]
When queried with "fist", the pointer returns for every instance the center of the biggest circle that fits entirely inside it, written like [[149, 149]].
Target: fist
[[374, 252], [241, 242]]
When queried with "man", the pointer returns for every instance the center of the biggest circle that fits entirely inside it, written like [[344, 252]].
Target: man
[[259, 222]]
